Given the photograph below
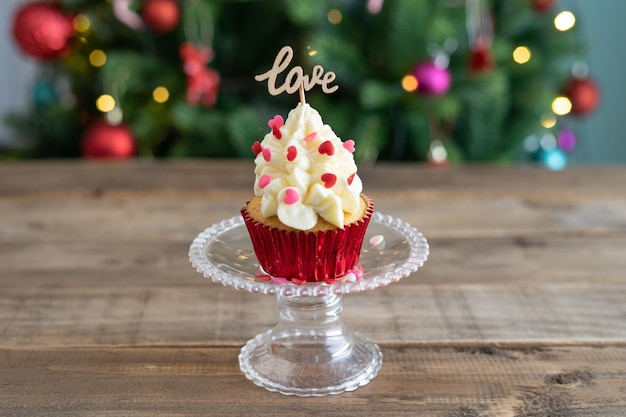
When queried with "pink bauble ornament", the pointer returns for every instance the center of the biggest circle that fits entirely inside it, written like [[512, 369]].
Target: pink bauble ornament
[[103, 140], [432, 80], [161, 16], [43, 31]]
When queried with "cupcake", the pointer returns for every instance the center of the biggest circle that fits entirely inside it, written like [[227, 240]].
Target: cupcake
[[308, 217]]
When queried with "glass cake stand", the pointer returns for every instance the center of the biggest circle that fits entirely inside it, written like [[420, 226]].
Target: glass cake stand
[[310, 352]]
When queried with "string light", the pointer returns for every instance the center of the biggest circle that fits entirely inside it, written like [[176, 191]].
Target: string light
[[105, 103], [564, 21], [97, 58], [561, 106], [115, 116], [334, 16], [312, 52], [438, 153], [161, 94], [81, 23], [531, 143], [522, 54], [554, 159], [548, 120], [547, 141], [409, 83]]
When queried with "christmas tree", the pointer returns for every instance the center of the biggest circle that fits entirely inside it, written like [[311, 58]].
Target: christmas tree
[[473, 80]]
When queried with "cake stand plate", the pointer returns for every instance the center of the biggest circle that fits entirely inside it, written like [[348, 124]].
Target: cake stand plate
[[310, 352]]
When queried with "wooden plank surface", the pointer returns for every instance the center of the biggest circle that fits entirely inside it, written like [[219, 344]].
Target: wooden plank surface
[[446, 382], [519, 310], [429, 315]]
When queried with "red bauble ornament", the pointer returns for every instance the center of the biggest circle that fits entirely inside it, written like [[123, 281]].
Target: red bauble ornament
[[103, 140], [42, 30], [481, 60], [432, 79], [161, 16], [584, 95], [542, 5]]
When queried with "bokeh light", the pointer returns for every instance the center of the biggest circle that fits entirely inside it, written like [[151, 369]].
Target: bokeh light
[[409, 83], [105, 103], [438, 153], [561, 106], [554, 159], [548, 120], [161, 94], [522, 54], [81, 23], [97, 58], [564, 21], [547, 141], [566, 140], [334, 16]]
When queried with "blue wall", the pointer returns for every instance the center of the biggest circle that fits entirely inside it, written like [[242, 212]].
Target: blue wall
[[602, 135]]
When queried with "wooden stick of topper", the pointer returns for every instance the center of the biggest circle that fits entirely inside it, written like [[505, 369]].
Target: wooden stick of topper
[[296, 80], [301, 90]]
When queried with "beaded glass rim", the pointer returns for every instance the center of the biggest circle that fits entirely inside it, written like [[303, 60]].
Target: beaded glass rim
[[379, 277]]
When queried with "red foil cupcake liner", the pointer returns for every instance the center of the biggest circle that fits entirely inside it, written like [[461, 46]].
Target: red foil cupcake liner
[[301, 256]]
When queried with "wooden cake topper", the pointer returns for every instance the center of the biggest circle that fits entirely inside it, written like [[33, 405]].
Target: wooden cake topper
[[296, 80]]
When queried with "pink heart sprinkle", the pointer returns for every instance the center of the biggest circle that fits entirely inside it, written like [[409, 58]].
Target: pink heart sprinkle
[[276, 123], [263, 277], [329, 179], [358, 272], [349, 145], [351, 178], [310, 136], [279, 280], [267, 154], [264, 180], [326, 148], [256, 148], [291, 196], [292, 152]]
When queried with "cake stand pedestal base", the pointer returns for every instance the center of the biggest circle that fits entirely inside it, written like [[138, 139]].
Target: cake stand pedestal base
[[310, 352]]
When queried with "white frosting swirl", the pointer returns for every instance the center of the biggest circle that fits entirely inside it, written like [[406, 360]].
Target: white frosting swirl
[[306, 173]]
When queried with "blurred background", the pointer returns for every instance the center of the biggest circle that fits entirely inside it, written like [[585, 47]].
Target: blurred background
[[503, 81]]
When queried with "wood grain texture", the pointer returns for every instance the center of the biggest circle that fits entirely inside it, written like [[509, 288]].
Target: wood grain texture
[[446, 382], [519, 310], [429, 315]]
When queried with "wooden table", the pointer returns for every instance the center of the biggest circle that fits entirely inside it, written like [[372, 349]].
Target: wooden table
[[519, 311]]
